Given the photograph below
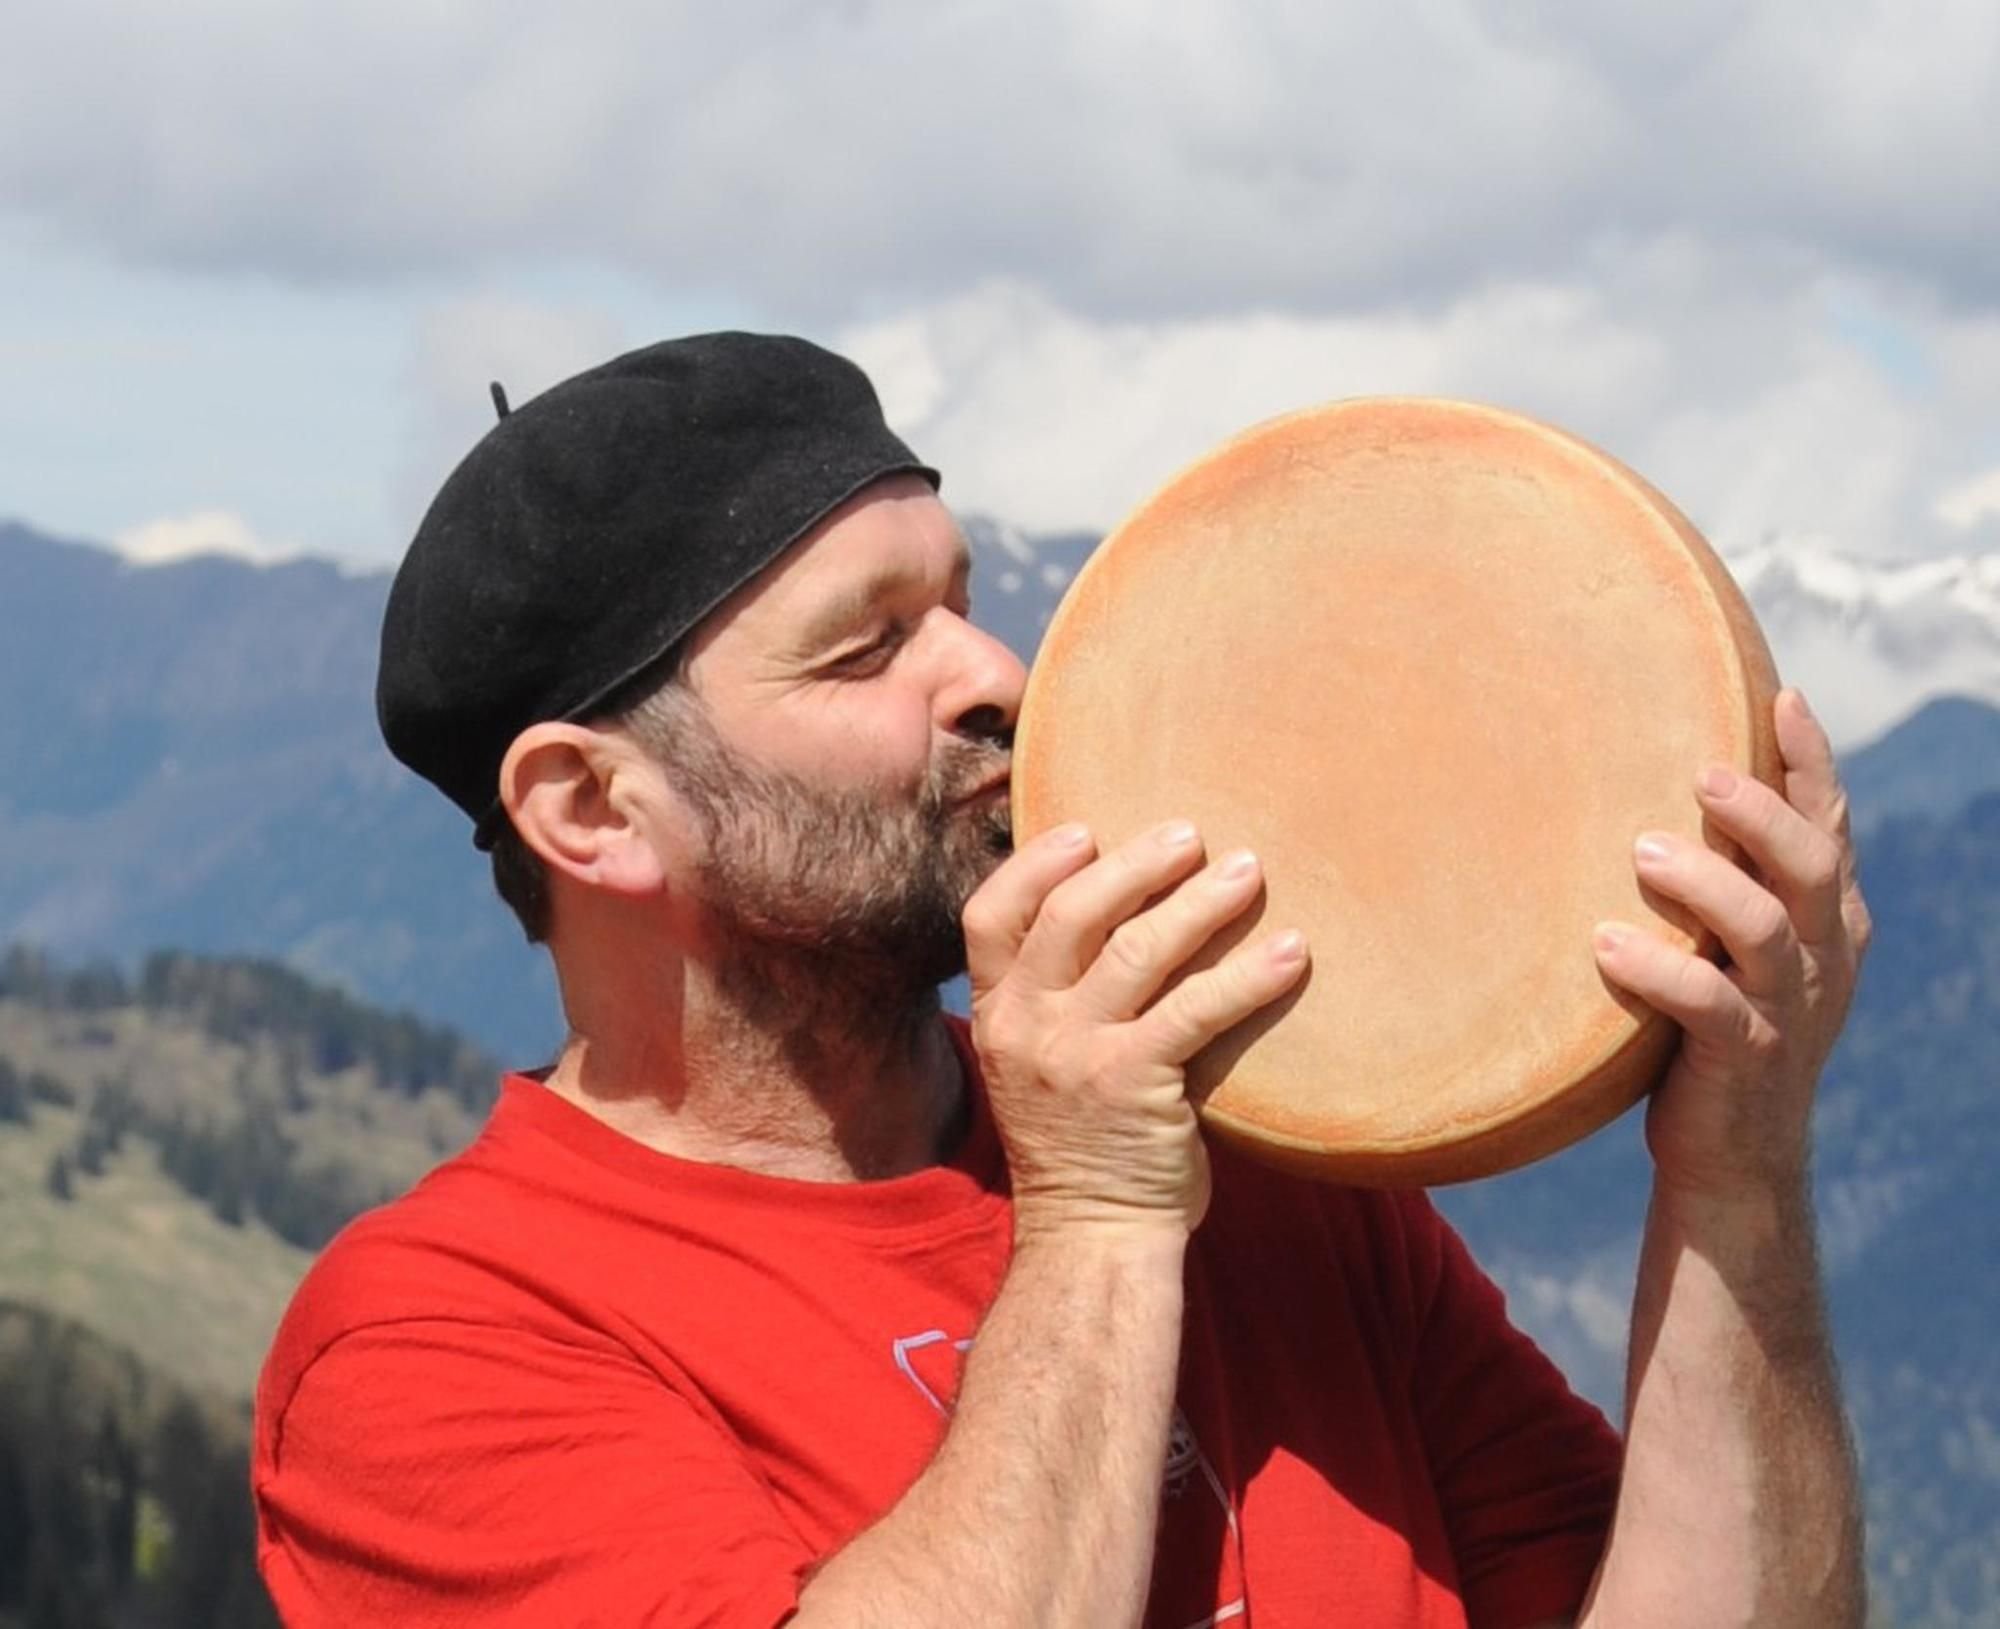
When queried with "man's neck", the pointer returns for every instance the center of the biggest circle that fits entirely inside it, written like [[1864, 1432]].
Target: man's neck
[[810, 1070]]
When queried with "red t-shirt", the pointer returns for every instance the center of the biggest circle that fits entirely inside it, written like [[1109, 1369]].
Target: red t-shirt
[[568, 1380]]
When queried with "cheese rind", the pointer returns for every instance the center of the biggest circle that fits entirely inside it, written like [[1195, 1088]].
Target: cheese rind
[[1439, 665]]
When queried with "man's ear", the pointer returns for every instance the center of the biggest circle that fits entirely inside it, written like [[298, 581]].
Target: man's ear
[[572, 794]]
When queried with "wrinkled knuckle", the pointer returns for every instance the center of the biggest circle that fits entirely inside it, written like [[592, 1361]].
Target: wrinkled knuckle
[[998, 1030], [1120, 867], [1064, 913], [981, 918], [1103, 1071], [1236, 989], [1694, 984], [1223, 984], [1174, 1029], [1767, 814], [1820, 868], [1769, 926], [1132, 948], [1204, 1000]]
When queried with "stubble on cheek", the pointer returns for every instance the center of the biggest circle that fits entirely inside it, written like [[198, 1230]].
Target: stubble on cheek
[[874, 872]]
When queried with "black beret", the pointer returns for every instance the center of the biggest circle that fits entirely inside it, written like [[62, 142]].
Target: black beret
[[588, 532]]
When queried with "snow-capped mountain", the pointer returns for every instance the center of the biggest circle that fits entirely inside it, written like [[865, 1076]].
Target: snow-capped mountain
[[1868, 642], [1018, 580]]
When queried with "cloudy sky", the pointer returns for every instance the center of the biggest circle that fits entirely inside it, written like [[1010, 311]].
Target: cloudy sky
[[258, 259]]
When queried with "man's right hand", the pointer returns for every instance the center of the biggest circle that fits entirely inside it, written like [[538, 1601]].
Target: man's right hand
[[1084, 1057]]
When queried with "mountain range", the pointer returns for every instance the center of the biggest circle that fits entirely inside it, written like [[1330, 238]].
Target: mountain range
[[189, 756], [1870, 641]]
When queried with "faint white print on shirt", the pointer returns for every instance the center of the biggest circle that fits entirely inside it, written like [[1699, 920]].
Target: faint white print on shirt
[[931, 1361]]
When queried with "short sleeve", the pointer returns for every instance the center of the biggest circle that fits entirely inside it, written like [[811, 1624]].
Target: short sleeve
[[1526, 1471], [438, 1472]]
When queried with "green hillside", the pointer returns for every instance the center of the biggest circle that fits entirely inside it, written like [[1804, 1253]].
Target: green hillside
[[174, 1147]]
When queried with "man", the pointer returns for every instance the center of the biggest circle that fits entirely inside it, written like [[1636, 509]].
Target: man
[[781, 1298]]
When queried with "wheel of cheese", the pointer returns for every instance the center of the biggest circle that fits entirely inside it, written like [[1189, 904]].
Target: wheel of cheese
[[1439, 665]]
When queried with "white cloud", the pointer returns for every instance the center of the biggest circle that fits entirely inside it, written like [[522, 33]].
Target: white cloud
[[459, 347], [1965, 505], [1749, 248], [1741, 400], [1170, 159], [211, 531], [1049, 419], [526, 345]]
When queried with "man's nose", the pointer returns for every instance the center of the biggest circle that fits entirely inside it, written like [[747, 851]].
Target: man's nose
[[981, 693]]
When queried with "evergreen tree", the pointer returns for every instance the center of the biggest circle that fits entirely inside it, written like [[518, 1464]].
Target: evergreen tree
[[13, 1096], [205, 1486], [114, 1483], [91, 1149], [227, 1201], [44, 1087], [24, 975], [16, 1512]]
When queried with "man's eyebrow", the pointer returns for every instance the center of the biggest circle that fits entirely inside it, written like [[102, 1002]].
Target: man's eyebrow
[[842, 612], [839, 615]]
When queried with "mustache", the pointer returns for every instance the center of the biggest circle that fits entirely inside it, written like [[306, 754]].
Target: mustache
[[964, 765]]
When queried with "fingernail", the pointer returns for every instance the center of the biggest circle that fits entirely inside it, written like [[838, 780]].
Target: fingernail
[[1716, 781], [1178, 833], [1804, 706], [1653, 849], [1237, 866], [1608, 936], [1070, 836], [1289, 947]]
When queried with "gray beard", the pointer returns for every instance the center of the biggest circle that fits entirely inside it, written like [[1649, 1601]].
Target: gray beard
[[836, 914]]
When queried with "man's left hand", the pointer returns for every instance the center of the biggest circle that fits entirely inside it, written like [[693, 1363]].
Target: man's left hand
[[1731, 1119]]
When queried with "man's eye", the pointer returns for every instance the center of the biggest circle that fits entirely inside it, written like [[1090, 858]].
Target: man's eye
[[875, 653]]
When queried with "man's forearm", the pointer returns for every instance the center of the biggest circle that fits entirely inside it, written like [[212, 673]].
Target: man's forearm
[[1040, 1506], [1739, 1502]]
